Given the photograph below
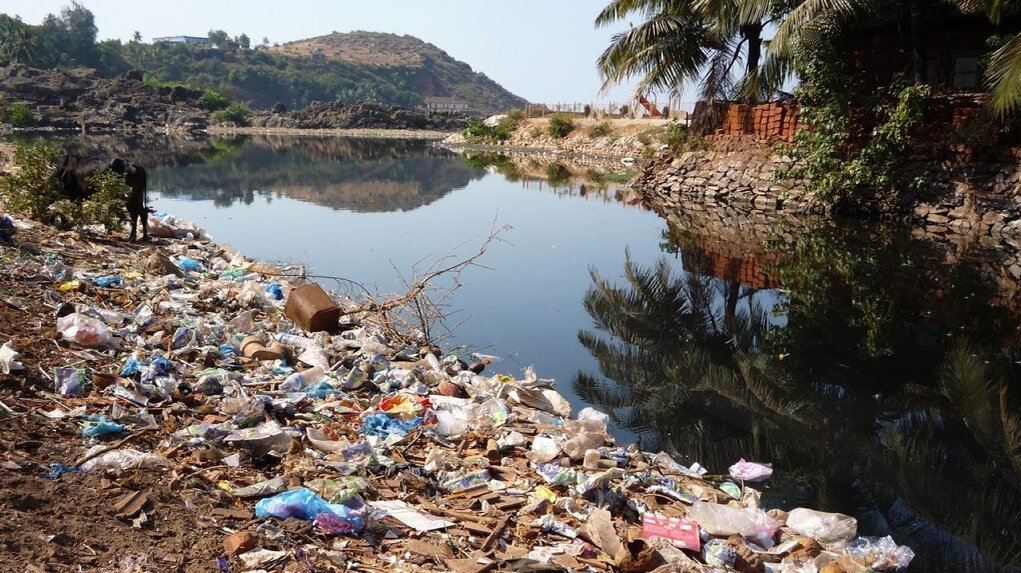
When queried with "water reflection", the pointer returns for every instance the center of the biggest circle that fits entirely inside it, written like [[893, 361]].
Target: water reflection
[[599, 179], [879, 380], [359, 175]]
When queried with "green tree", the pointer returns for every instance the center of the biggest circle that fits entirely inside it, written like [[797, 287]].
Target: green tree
[[136, 37], [17, 40], [219, 38], [244, 41]]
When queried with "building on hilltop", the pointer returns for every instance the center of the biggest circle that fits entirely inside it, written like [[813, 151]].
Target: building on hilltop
[[182, 40], [443, 103]]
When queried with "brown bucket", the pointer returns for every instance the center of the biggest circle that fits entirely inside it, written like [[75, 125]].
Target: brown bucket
[[311, 308]]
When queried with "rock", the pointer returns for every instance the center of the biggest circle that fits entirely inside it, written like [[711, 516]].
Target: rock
[[239, 542]]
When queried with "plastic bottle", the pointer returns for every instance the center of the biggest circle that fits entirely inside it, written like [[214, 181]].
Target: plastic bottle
[[295, 340], [299, 380]]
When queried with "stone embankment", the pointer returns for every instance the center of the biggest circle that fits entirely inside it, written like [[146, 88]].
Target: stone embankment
[[961, 194]]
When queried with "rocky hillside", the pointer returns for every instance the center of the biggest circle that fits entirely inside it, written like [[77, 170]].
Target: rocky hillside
[[360, 116], [80, 97]]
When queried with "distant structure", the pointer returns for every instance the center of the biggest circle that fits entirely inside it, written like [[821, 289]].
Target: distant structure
[[443, 103], [182, 40], [318, 55]]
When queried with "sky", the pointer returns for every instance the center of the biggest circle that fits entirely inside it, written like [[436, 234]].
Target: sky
[[542, 50]]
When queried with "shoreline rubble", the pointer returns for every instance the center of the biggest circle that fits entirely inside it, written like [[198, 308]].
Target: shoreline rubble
[[353, 450]]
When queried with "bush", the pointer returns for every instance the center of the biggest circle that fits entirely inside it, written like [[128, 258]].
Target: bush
[[18, 115], [235, 113], [560, 125], [602, 129], [680, 138], [516, 114], [478, 132], [213, 100], [31, 189], [107, 205]]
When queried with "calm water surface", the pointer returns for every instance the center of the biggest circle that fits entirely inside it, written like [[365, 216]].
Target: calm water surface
[[878, 370]]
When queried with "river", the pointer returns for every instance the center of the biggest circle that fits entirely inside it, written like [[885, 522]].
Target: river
[[878, 368]]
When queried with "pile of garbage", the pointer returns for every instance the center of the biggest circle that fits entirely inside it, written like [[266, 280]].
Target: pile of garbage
[[327, 446]]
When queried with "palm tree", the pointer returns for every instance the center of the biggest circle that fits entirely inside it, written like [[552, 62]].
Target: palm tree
[[17, 40], [700, 41]]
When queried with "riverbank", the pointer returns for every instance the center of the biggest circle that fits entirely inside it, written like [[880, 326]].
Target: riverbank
[[617, 139], [957, 193], [423, 134], [199, 428]]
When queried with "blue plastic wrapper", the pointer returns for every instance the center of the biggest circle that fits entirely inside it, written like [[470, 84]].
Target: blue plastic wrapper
[[383, 425], [132, 366], [230, 353], [321, 390], [102, 427], [275, 290], [190, 265], [108, 281], [58, 470], [305, 504], [157, 366]]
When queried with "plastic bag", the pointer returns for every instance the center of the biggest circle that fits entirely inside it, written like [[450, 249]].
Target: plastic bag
[[880, 553], [102, 427], [750, 471], [123, 459], [451, 423], [84, 330], [190, 265], [578, 445], [8, 358], [544, 449], [304, 504], [824, 527], [723, 520]]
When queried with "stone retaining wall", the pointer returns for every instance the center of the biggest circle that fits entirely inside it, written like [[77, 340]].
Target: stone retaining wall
[[962, 194]]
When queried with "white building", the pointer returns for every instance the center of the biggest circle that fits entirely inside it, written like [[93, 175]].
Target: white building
[[442, 103]]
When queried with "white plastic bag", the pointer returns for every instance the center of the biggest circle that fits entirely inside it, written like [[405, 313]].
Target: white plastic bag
[[544, 449], [123, 459], [8, 358], [826, 528], [84, 330], [723, 520]]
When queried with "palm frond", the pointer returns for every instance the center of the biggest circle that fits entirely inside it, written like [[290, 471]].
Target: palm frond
[[1004, 77]]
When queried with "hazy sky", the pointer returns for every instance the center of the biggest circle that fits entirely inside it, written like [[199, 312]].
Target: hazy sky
[[542, 50]]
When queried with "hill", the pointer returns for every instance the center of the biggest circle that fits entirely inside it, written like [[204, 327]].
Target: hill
[[348, 68], [344, 68]]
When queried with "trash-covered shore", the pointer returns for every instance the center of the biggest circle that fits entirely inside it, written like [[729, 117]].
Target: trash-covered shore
[[160, 410]]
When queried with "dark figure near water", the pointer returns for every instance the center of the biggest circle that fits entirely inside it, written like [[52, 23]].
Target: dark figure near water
[[75, 170]]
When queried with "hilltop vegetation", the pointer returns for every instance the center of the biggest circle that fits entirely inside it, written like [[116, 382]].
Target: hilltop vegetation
[[348, 68]]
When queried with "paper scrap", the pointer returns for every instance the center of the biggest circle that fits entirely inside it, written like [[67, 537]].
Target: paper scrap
[[412, 518]]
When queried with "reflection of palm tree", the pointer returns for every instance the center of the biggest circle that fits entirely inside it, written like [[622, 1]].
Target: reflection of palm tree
[[929, 463], [686, 358]]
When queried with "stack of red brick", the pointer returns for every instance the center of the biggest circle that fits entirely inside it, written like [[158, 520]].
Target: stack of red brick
[[768, 121]]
